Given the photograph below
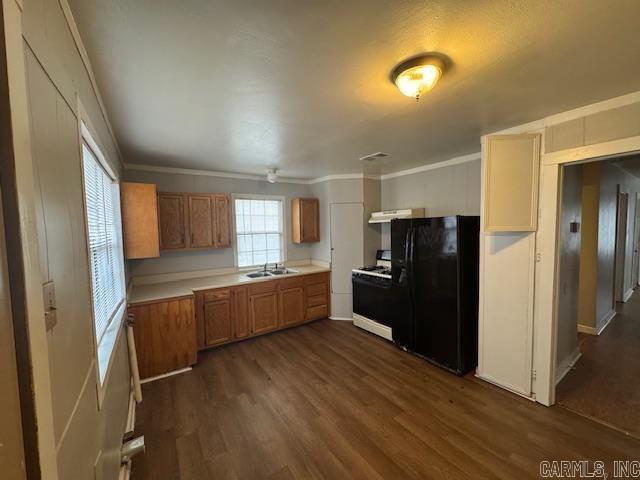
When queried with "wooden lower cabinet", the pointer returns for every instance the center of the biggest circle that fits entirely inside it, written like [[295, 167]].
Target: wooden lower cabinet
[[291, 301], [263, 312], [240, 312], [217, 322], [165, 334], [233, 313]]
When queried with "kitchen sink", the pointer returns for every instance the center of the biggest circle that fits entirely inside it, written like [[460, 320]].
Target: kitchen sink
[[282, 271], [258, 274]]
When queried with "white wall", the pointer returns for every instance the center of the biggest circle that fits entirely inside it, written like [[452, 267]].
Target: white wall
[[449, 190], [569, 278]]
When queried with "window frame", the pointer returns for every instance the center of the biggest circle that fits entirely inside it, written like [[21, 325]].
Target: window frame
[[283, 225], [105, 347]]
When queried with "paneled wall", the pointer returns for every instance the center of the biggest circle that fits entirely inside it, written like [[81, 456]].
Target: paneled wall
[[87, 437]]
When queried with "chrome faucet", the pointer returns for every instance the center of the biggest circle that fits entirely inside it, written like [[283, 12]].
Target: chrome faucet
[[264, 268]]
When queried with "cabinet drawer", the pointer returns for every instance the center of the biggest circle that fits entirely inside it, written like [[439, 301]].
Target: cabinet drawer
[[314, 313], [317, 289], [291, 282], [263, 287], [213, 295], [316, 278], [316, 300]]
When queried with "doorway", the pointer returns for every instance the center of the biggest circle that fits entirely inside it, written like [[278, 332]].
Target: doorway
[[347, 253], [598, 316]]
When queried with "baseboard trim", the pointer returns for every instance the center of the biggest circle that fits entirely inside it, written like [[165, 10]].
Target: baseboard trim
[[607, 320], [341, 319], [587, 330], [627, 295], [567, 364], [165, 375], [373, 327], [505, 386]]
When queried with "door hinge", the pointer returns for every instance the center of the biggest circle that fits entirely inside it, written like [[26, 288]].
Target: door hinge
[[538, 257], [534, 375]]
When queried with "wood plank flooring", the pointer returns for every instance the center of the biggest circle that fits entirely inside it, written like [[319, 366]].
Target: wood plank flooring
[[604, 383], [329, 401]]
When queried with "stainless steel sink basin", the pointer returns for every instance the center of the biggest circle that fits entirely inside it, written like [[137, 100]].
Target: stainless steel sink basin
[[282, 271], [258, 274]]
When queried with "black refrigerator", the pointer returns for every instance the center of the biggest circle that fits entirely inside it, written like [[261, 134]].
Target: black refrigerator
[[434, 270]]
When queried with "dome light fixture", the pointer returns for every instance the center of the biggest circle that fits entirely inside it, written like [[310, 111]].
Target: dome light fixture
[[417, 75]]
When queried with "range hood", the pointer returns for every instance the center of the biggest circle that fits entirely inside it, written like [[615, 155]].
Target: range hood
[[388, 215]]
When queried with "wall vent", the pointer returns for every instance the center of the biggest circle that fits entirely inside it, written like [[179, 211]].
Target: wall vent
[[374, 156]]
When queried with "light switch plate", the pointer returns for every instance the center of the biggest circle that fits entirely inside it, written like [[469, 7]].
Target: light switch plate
[[49, 297]]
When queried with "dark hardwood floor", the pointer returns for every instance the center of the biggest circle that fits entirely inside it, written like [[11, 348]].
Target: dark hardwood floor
[[327, 400], [604, 384]]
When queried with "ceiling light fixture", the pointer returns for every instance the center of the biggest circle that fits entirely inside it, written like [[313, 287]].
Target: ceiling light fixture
[[272, 175], [417, 75]]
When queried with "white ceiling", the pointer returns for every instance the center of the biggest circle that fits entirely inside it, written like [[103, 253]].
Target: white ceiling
[[242, 85]]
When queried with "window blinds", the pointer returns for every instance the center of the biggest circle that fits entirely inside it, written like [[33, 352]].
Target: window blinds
[[105, 249]]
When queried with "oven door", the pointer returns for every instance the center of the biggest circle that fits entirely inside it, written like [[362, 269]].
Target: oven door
[[372, 298]]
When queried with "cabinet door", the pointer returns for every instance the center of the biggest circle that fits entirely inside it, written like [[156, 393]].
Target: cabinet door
[[512, 165], [263, 311], [292, 306], [139, 220], [309, 220], [222, 221], [172, 224], [200, 221], [217, 322], [240, 312], [165, 335]]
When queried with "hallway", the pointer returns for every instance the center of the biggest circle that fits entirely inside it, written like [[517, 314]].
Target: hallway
[[603, 385]]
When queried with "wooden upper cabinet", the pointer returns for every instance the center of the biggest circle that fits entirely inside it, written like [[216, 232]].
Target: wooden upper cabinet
[[191, 220], [139, 220], [200, 221], [172, 227], [512, 166], [221, 221], [305, 220]]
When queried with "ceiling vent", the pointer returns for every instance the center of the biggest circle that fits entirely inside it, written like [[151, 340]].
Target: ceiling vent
[[374, 156]]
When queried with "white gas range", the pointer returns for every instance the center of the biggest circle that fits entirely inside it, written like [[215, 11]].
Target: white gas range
[[372, 295]]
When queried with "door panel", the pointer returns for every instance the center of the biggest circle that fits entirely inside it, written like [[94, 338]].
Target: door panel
[[165, 335], [310, 222], [263, 308], [222, 221], [292, 306], [240, 312], [171, 213], [636, 246], [200, 221], [217, 322], [347, 238]]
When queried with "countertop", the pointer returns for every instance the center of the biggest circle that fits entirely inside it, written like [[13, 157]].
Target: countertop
[[186, 287]]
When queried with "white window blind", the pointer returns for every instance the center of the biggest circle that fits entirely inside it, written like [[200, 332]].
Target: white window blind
[[259, 231], [105, 249]]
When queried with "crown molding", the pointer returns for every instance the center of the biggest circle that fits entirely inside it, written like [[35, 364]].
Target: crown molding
[[433, 166], [302, 181], [210, 173]]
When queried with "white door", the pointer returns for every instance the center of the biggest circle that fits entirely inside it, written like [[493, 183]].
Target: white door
[[347, 253]]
